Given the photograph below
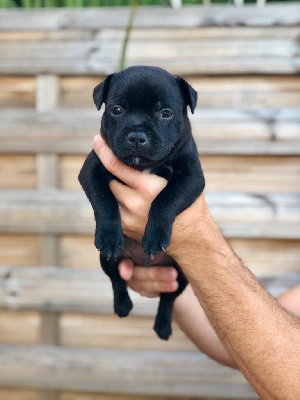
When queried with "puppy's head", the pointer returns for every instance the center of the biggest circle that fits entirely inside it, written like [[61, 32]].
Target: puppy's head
[[145, 118]]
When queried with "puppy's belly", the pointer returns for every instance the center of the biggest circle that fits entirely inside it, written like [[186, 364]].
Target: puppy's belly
[[134, 250]]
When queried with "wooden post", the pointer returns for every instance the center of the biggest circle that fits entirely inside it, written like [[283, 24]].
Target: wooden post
[[47, 98], [47, 92]]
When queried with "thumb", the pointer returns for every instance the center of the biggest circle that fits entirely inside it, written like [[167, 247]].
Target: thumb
[[126, 269]]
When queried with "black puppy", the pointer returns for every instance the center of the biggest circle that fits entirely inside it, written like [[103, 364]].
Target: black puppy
[[145, 124]]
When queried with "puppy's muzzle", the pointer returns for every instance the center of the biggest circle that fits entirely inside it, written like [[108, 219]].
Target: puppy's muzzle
[[138, 140]]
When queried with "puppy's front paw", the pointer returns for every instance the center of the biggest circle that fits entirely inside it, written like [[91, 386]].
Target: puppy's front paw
[[109, 240], [156, 238]]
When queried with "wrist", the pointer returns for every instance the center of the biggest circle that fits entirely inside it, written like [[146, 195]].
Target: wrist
[[197, 243], [190, 228]]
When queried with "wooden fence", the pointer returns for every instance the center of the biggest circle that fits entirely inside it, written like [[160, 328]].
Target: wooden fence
[[59, 337]]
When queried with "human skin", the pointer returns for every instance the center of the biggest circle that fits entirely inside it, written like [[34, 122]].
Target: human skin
[[187, 311], [261, 336]]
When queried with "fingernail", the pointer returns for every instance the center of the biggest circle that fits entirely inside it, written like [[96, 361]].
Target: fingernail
[[96, 137]]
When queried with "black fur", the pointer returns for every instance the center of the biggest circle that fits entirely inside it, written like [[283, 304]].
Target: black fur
[[145, 124]]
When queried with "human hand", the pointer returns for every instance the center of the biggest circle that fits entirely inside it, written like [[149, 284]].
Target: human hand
[[136, 196], [148, 281]]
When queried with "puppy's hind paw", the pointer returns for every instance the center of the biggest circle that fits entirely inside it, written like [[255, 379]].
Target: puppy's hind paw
[[164, 331], [123, 306]]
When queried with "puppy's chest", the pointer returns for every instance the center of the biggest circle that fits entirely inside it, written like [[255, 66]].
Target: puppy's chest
[[134, 250]]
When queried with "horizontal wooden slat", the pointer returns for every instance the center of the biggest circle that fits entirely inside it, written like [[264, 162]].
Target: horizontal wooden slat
[[86, 330], [213, 92], [62, 289], [223, 56], [69, 165], [132, 333], [160, 49], [78, 251], [249, 92], [154, 17], [10, 323], [14, 394], [92, 65], [16, 35], [174, 34], [81, 291], [17, 91], [225, 131], [255, 174], [62, 212], [267, 256], [196, 34], [17, 171], [18, 249], [219, 91], [262, 256], [114, 371], [90, 396]]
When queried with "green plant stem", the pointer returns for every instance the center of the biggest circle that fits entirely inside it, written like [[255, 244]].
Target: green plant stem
[[26, 3], [133, 9]]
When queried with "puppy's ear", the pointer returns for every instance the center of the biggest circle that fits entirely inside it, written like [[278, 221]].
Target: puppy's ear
[[189, 94], [100, 92]]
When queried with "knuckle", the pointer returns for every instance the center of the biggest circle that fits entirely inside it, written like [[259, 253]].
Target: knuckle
[[134, 205], [126, 221], [139, 273], [150, 191]]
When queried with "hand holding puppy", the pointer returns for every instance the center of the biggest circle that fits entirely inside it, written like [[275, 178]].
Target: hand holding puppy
[[136, 196], [148, 282]]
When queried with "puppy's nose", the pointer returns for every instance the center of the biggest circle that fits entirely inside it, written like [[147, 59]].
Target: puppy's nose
[[139, 139]]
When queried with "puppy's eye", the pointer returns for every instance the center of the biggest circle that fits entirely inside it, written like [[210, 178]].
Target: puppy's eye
[[116, 111], [166, 114]]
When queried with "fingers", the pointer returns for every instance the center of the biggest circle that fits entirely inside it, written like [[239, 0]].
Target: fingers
[[126, 267], [127, 174], [135, 196], [149, 281], [153, 288], [122, 193], [132, 177], [160, 274]]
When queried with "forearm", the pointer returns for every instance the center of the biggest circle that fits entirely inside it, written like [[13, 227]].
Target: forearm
[[190, 317], [262, 337]]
